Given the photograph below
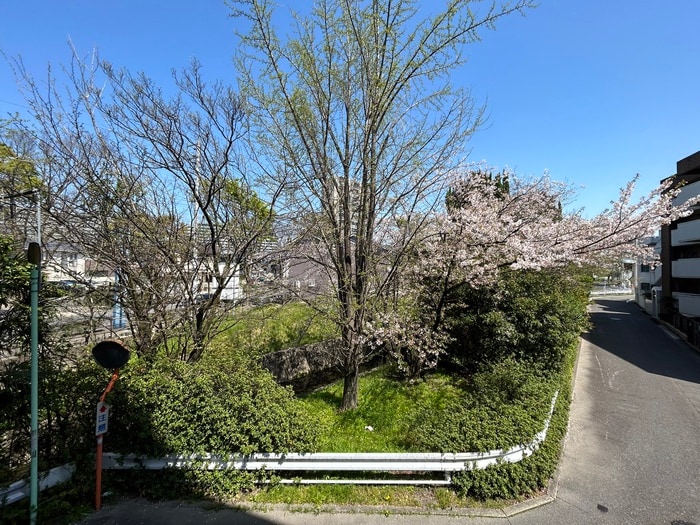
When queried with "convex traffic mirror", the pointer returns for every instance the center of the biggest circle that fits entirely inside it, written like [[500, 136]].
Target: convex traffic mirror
[[110, 354]]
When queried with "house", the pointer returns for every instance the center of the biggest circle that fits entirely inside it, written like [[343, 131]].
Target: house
[[680, 251], [65, 263], [207, 283]]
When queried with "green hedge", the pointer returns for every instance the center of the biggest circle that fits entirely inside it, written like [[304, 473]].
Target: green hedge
[[520, 337], [221, 407], [515, 480], [502, 407], [528, 315], [159, 408]]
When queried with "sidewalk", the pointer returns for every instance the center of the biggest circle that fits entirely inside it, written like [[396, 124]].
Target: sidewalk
[[142, 512]]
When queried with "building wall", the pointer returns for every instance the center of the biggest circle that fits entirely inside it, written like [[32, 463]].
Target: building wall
[[680, 248]]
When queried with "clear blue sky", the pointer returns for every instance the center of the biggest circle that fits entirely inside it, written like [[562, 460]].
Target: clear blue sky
[[593, 91]]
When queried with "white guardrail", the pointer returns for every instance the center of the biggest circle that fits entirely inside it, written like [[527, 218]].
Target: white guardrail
[[20, 489], [405, 463]]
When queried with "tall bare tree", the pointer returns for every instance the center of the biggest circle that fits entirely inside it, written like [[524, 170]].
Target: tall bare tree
[[357, 115], [149, 184]]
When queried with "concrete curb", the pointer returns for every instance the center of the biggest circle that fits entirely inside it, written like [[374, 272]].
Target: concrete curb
[[467, 512]]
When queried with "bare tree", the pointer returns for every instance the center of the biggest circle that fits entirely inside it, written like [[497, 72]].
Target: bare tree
[[150, 186], [357, 114]]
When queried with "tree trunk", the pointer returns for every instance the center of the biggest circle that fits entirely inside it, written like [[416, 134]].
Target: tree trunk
[[198, 337], [351, 386]]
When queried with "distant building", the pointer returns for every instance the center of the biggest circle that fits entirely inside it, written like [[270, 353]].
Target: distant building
[[647, 290], [65, 263], [680, 251]]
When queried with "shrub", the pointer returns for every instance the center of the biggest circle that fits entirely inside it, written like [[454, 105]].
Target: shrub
[[502, 407], [528, 315], [67, 397], [512, 480], [159, 408], [220, 406]]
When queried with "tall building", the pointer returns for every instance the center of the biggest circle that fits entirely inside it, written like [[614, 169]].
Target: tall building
[[680, 251]]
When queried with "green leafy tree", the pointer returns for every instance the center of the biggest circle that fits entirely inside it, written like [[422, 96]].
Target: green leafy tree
[[359, 120], [20, 182], [14, 298], [54, 359]]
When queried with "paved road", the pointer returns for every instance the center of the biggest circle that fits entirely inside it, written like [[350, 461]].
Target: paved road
[[632, 455]]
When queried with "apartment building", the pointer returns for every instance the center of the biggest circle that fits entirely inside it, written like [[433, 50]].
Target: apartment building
[[680, 251]]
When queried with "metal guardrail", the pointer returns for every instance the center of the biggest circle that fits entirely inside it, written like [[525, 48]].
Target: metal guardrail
[[445, 463], [20, 489], [435, 462]]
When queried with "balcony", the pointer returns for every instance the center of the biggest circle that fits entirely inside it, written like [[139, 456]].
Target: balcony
[[687, 191], [688, 304], [686, 233], [686, 268]]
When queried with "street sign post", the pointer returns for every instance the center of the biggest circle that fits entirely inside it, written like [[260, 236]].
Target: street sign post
[[111, 355], [102, 420]]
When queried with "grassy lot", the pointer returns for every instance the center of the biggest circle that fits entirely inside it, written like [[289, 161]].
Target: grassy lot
[[388, 406], [442, 413], [274, 327], [441, 406]]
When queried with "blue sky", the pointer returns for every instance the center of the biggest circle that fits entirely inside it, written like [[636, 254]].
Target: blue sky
[[593, 91]]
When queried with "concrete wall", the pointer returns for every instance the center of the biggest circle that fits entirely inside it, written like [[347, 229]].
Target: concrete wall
[[311, 366], [305, 366]]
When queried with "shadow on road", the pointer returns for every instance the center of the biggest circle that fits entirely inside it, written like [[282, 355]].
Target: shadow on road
[[620, 327], [142, 512]]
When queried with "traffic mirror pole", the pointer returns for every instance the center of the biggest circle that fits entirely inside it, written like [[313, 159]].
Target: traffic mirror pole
[[100, 430], [112, 356]]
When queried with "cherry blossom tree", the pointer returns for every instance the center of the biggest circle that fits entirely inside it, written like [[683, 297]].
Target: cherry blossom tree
[[488, 226]]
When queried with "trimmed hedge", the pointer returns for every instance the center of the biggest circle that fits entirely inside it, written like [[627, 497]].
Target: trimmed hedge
[[528, 315], [502, 407], [221, 407], [515, 480], [521, 338]]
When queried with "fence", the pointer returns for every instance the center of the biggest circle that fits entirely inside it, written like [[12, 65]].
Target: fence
[[326, 462]]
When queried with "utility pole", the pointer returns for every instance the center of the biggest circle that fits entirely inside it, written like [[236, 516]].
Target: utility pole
[[34, 258]]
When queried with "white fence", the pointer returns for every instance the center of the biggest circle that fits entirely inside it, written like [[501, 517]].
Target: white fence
[[404, 463]]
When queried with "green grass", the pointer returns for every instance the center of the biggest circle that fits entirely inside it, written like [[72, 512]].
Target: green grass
[[276, 327], [396, 410], [387, 405], [441, 413], [353, 495]]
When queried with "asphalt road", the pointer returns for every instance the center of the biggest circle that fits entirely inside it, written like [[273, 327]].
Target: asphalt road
[[632, 454]]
